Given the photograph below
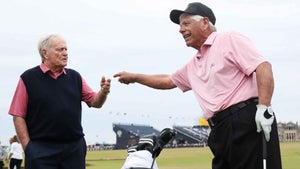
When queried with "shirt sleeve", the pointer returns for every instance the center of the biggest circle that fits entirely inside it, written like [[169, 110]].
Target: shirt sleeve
[[18, 106], [180, 79], [244, 54], [87, 93], [13, 147]]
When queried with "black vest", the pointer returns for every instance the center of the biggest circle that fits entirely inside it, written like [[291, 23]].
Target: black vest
[[54, 105]]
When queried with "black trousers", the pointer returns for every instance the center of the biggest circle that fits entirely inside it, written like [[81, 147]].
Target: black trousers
[[49, 155], [1, 164], [235, 143], [15, 163]]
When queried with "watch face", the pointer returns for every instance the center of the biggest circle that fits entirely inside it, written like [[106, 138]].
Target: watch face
[[119, 133]]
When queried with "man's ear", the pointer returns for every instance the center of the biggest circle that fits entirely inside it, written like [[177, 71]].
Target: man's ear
[[44, 53]]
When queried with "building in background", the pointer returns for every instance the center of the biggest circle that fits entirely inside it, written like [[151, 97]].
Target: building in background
[[129, 134], [186, 136], [288, 131]]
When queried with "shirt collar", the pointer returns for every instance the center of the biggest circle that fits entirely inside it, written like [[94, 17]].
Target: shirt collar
[[45, 69], [208, 42], [210, 39]]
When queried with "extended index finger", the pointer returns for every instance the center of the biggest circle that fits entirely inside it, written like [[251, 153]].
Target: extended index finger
[[117, 74]]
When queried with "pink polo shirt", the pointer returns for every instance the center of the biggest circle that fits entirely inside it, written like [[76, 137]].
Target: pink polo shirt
[[222, 72], [18, 106]]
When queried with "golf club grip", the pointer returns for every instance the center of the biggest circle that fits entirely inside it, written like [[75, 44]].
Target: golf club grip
[[264, 146], [264, 151]]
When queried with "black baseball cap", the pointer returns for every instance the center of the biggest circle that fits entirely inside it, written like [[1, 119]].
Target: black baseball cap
[[195, 8]]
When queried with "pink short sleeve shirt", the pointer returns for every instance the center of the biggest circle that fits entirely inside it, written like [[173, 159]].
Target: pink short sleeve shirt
[[222, 72]]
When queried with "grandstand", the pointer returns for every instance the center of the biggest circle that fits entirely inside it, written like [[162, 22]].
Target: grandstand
[[129, 134], [191, 136]]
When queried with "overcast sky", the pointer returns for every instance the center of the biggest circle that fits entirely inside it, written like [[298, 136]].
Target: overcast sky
[[105, 37]]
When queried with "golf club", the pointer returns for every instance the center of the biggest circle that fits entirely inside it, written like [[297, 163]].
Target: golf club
[[166, 135], [264, 152]]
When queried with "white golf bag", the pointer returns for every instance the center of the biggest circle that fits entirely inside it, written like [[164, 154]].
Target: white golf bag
[[143, 155]]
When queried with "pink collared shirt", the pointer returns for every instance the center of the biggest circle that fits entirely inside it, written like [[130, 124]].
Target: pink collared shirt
[[18, 106], [222, 72]]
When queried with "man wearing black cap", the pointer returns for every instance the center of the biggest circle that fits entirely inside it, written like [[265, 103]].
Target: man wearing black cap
[[233, 84]]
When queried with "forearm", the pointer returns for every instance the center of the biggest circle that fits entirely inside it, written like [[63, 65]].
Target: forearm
[[21, 130], [159, 81], [99, 99], [265, 83]]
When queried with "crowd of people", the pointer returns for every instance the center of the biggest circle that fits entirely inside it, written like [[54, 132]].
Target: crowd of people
[[12, 155]]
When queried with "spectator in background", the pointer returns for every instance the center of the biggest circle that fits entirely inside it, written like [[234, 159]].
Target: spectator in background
[[1, 156], [8, 151], [16, 154]]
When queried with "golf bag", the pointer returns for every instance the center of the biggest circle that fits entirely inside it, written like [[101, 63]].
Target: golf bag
[[143, 155]]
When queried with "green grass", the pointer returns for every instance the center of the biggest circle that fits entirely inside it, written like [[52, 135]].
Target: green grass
[[184, 158], [290, 155], [179, 158]]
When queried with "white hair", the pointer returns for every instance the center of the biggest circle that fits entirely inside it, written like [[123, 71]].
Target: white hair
[[45, 43], [198, 18]]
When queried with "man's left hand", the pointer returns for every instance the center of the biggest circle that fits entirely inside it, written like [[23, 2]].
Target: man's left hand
[[264, 118]]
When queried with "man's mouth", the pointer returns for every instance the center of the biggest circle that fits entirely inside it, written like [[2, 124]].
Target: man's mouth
[[186, 36]]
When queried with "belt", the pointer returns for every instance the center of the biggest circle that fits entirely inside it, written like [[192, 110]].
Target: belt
[[218, 117]]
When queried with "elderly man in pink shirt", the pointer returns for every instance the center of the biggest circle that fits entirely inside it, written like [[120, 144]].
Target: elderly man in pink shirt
[[233, 84], [46, 109]]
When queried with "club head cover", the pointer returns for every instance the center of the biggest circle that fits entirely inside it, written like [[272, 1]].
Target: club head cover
[[166, 135], [146, 143]]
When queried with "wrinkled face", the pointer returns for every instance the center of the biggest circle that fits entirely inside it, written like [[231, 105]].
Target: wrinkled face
[[57, 54], [193, 31]]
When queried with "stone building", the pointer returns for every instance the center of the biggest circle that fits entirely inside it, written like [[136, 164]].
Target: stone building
[[288, 131]]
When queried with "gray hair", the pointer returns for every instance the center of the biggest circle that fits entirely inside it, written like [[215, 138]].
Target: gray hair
[[45, 43], [198, 18]]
